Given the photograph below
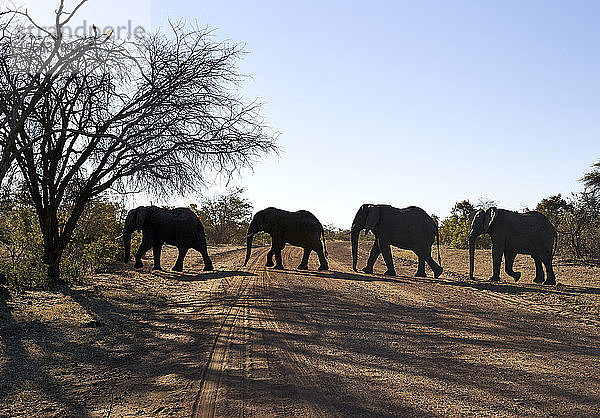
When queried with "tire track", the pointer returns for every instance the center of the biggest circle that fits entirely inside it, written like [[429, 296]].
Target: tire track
[[266, 358], [299, 370], [207, 396], [249, 317]]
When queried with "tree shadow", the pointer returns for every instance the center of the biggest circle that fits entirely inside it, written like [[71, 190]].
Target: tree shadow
[[322, 335], [21, 371], [352, 343], [515, 289], [344, 275], [459, 280], [209, 275]]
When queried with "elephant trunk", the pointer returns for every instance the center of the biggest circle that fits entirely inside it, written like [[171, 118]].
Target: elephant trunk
[[472, 255], [248, 248], [354, 238], [127, 246]]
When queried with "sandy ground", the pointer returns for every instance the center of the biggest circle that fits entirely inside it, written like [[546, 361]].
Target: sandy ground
[[260, 342]]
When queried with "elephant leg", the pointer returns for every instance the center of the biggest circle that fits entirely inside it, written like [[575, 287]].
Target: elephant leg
[[179, 263], [372, 257], [323, 265], [270, 254], [386, 251], [304, 263], [539, 271], [278, 258], [144, 247], [435, 267], [156, 250], [496, 261], [509, 259], [421, 267], [550, 277], [201, 248]]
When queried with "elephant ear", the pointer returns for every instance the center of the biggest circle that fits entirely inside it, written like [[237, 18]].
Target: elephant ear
[[268, 219], [372, 218], [140, 217], [490, 218]]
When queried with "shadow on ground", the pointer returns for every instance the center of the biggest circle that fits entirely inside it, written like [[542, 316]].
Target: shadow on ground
[[209, 275], [353, 353], [350, 352]]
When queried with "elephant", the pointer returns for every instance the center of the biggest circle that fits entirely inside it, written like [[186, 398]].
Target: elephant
[[301, 229], [515, 233], [409, 228], [179, 227]]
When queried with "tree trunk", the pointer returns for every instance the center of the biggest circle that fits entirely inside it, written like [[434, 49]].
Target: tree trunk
[[54, 278], [54, 245]]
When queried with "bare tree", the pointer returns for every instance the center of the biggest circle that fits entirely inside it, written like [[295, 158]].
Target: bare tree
[[153, 113], [29, 65]]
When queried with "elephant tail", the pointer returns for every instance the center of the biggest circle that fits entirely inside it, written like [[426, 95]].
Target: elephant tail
[[437, 235], [555, 243], [324, 246]]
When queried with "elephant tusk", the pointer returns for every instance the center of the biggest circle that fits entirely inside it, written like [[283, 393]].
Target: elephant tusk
[[250, 235], [119, 237]]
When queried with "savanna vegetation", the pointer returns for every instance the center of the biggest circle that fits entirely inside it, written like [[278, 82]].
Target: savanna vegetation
[[576, 218], [225, 217], [454, 230], [85, 122], [92, 247], [86, 118]]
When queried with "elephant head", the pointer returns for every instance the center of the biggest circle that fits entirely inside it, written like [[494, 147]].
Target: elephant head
[[366, 218], [135, 221], [482, 222], [264, 220]]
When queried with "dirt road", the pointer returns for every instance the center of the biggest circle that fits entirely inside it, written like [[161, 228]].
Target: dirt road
[[260, 342]]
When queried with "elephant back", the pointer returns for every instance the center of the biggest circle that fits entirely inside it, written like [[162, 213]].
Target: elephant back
[[415, 221], [185, 218], [309, 220]]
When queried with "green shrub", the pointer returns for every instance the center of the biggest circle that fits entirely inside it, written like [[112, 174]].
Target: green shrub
[[21, 246], [94, 244], [261, 238], [333, 233], [225, 217], [577, 220], [454, 230], [92, 247]]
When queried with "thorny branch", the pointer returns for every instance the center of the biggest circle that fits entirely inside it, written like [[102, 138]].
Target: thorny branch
[[93, 114]]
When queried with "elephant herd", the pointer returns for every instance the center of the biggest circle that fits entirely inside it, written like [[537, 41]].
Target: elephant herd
[[409, 228]]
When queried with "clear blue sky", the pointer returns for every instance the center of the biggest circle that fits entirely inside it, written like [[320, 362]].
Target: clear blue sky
[[413, 102]]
